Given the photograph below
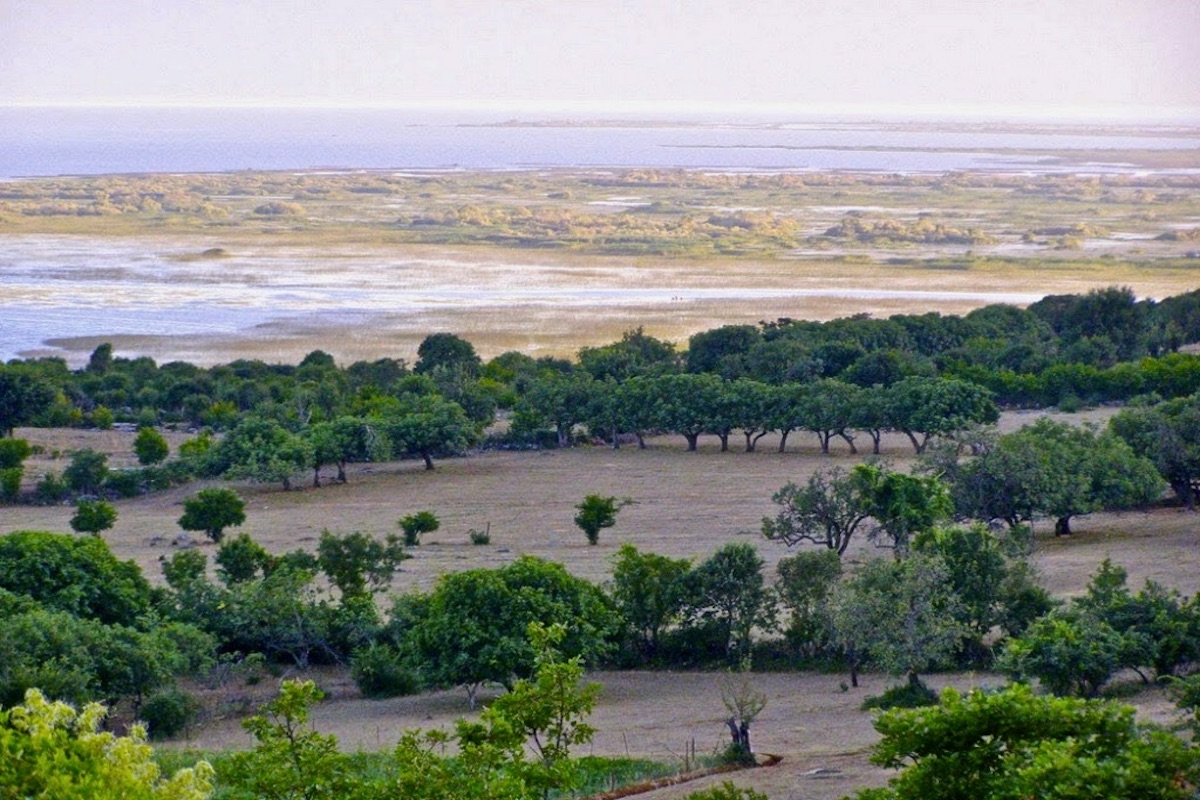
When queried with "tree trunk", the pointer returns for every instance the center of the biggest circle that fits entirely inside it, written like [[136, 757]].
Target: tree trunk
[[1062, 526], [428, 459], [783, 439], [850, 441], [824, 439], [316, 477], [641, 440], [692, 438], [918, 447], [724, 437], [341, 476]]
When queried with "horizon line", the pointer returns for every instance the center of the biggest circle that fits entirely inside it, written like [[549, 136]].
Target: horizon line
[[1125, 114]]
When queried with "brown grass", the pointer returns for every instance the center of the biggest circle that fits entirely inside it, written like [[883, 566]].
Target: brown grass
[[686, 504]]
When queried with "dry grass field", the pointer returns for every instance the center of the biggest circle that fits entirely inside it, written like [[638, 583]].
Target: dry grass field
[[685, 504]]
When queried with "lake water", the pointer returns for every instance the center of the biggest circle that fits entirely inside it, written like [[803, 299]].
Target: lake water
[[83, 141]]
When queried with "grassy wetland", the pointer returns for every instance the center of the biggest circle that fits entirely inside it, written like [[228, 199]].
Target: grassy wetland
[[365, 263]]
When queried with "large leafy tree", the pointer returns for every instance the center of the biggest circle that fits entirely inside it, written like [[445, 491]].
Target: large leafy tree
[[1169, 435], [472, 628], [22, 397], [76, 574], [650, 592], [901, 615], [827, 511], [1013, 744], [729, 594], [263, 451], [922, 408], [429, 425]]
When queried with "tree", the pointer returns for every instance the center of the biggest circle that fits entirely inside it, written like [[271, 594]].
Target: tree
[[472, 628], [22, 397], [445, 350], [1169, 435], [996, 745], [720, 350], [901, 614], [728, 592], [93, 516], [212, 511], [637, 353], [86, 472], [416, 524], [827, 409], [827, 511], [75, 574], [650, 592], [263, 451], [356, 562], [289, 761], [52, 750], [596, 512], [1069, 652], [150, 446], [902, 505], [429, 425], [922, 408], [806, 582]]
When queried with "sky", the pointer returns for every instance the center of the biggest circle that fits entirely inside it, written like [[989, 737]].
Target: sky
[[1105, 58]]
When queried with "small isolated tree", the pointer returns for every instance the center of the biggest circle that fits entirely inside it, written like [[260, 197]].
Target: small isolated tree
[[212, 511], [597, 512], [744, 703], [150, 446], [93, 516], [414, 525]]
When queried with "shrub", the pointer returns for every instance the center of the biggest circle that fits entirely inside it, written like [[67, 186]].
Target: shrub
[[726, 791], [906, 695], [10, 483], [51, 488], [480, 537], [379, 671], [169, 712], [124, 482], [415, 524]]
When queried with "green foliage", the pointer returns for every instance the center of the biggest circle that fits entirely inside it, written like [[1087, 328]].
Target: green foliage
[[1068, 652], [903, 615], [103, 418], [168, 713], [289, 762], [1011, 744], [827, 511], [10, 482], [86, 472], [445, 350], [22, 397], [13, 452], [726, 791], [380, 671], [51, 750], [358, 564], [212, 511], [902, 505], [241, 559], [93, 516], [651, 593], [806, 582], [906, 695], [728, 593], [51, 488], [75, 574], [414, 525], [263, 451], [596, 512], [472, 628], [150, 446]]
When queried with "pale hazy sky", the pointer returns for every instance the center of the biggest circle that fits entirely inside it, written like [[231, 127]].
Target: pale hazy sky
[[652, 56]]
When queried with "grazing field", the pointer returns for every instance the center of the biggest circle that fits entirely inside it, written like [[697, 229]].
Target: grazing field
[[685, 504]]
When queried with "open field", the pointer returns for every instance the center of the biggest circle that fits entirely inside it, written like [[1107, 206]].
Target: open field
[[686, 504]]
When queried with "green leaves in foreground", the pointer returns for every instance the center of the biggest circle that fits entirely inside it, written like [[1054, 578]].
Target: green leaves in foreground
[[1011, 745]]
